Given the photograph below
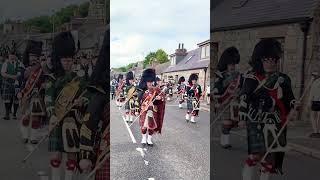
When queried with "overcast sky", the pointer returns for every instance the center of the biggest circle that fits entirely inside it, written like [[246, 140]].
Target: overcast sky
[[141, 26], [24, 9]]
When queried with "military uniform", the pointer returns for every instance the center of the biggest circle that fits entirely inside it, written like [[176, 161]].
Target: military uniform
[[120, 97], [152, 113], [66, 101], [181, 88], [9, 68], [194, 93], [226, 88], [95, 129], [132, 104], [32, 94], [266, 99]]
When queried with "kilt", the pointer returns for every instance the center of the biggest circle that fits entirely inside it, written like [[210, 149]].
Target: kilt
[[8, 91], [190, 107], [55, 139], [256, 138], [104, 172]]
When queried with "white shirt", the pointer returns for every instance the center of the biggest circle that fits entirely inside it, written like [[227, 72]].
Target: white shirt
[[315, 91]]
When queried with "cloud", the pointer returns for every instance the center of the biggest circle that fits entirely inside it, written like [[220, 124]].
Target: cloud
[[145, 26]]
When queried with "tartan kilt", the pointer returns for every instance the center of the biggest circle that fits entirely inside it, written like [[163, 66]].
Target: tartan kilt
[[190, 105], [55, 139], [104, 172], [8, 90], [56, 142]]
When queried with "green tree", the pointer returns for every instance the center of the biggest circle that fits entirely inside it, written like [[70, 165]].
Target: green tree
[[84, 9], [148, 59], [161, 56]]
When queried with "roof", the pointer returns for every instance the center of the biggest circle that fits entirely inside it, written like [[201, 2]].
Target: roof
[[236, 14], [160, 68], [191, 61]]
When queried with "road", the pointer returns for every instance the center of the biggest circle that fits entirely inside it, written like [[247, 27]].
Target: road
[[180, 152], [228, 164], [13, 150]]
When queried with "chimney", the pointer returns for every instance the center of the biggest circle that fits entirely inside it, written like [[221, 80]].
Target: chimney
[[180, 53], [179, 46]]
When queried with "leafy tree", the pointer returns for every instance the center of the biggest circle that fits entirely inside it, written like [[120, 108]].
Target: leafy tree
[[161, 56], [84, 9], [148, 59]]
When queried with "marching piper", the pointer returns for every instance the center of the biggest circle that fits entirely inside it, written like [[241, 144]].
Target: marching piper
[[32, 94], [132, 104], [169, 90], [152, 103], [95, 132], [113, 86], [266, 103], [181, 87], [120, 98], [66, 101], [226, 88], [193, 100]]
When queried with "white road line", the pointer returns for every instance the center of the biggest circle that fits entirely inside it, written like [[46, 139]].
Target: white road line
[[129, 130], [43, 175], [141, 151], [29, 147], [150, 178]]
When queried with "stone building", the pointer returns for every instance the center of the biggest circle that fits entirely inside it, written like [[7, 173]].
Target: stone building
[[184, 63], [294, 23], [13, 27]]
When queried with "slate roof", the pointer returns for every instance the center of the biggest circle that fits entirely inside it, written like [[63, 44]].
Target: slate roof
[[231, 14], [191, 61]]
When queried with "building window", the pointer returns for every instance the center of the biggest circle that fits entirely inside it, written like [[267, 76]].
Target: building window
[[173, 60], [205, 51]]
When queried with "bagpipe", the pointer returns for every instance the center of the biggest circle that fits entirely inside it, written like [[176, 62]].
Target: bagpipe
[[148, 101]]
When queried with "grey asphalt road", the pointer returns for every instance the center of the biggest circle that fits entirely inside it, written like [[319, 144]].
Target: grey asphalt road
[[228, 164], [12, 152], [182, 151]]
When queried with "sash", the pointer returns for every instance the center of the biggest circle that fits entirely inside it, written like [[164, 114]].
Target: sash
[[65, 97], [31, 82]]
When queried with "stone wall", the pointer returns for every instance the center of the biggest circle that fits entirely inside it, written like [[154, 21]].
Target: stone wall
[[291, 37], [244, 40]]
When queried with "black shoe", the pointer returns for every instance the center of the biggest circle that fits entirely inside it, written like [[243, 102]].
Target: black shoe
[[14, 117], [6, 118], [150, 145], [25, 141]]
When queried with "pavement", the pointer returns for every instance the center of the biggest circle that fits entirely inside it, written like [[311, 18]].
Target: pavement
[[228, 164], [180, 152]]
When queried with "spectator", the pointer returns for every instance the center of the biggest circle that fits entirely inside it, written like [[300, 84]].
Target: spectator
[[315, 106]]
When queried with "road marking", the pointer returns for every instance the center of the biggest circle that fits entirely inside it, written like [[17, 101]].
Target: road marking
[[141, 151], [129, 130], [150, 178], [146, 162], [29, 147], [43, 175]]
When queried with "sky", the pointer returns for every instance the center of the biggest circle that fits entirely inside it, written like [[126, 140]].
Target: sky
[[24, 9], [147, 25]]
